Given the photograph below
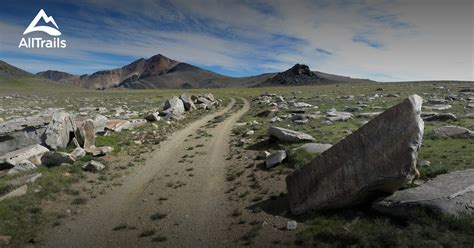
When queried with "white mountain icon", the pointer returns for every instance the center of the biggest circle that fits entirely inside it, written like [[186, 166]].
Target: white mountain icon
[[49, 30]]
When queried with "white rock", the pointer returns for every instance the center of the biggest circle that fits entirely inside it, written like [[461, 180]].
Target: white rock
[[291, 225]]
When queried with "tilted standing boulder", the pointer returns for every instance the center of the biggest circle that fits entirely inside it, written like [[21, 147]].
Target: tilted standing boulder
[[187, 101], [380, 157], [174, 106]]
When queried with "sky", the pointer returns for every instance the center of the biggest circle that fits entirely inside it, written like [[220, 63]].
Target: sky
[[385, 40]]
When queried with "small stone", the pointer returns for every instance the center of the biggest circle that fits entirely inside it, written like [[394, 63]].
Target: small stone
[[263, 155], [93, 166], [291, 225], [78, 152], [275, 158]]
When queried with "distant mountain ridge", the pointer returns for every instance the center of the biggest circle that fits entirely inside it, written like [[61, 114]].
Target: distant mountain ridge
[[160, 71]]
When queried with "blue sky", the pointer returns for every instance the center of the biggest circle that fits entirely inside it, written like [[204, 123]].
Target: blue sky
[[385, 40]]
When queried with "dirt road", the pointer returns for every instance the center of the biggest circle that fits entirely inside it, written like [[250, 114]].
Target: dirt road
[[175, 200]]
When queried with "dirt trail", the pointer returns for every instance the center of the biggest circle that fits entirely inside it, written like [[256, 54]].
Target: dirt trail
[[183, 179]]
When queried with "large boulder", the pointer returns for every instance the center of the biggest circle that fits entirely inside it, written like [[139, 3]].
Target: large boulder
[[58, 132], [31, 153], [289, 135], [56, 158], [380, 157], [174, 106], [187, 101], [52, 129], [450, 194]]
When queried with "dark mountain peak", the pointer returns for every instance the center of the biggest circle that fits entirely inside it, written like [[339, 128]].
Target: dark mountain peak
[[299, 74], [55, 75], [301, 69]]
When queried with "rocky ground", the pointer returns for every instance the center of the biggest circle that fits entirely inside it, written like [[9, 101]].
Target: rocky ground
[[216, 175]]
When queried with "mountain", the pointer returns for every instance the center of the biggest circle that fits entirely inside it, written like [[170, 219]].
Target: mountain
[[57, 75], [10, 71], [15, 79], [301, 75], [162, 72]]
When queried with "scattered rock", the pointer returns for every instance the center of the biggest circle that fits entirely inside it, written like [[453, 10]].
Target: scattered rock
[[371, 161], [333, 115], [440, 117], [52, 158], [99, 151], [117, 125], [78, 152], [452, 131], [263, 155], [368, 114], [267, 113], [438, 107], [275, 158], [22, 166], [154, 116], [15, 193], [469, 116], [315, 147], [353, 109], [250, 132], [289, 135], [32, 153], [449, 194], [301, 105], [93, 166]]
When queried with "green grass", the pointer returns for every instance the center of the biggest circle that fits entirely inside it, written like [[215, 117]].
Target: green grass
[[347, 228], [356, 229], [20, 217]]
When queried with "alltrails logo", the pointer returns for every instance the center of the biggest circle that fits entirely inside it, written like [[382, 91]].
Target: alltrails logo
[[39, 42]]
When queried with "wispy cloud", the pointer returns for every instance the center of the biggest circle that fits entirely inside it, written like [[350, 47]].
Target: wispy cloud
[[356, 38], [360, 38]]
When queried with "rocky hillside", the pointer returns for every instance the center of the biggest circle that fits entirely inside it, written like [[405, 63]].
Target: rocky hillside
[[301, 74], [9, 71]]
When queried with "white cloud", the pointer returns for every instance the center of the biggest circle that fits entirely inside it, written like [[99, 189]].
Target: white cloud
[[420, 40]]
